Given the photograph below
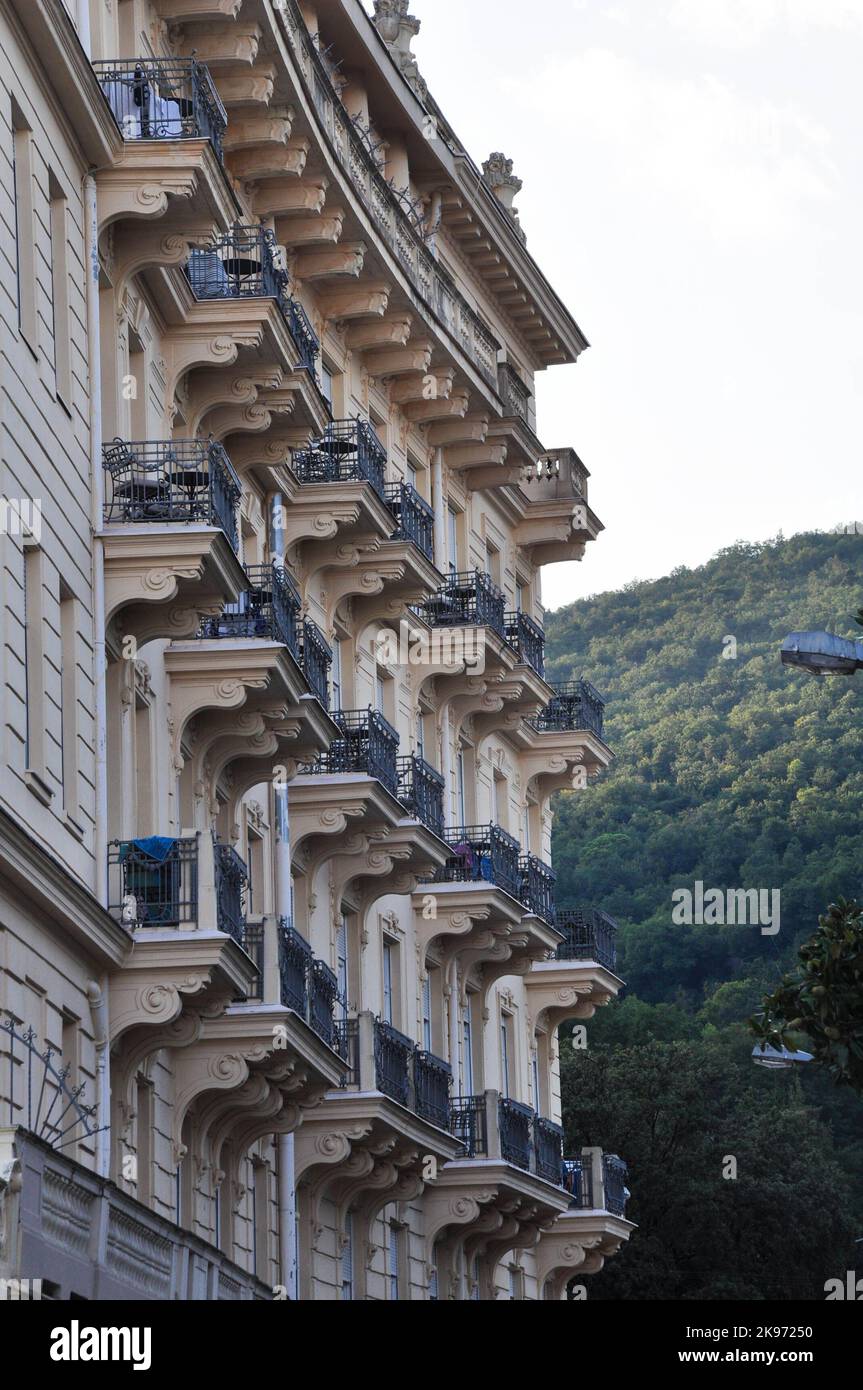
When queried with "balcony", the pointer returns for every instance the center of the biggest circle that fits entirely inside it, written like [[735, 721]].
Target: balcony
[[413, 1078], [163, 99], [579, 1183], [414, 517], [527, 640], [524, 1139], [537, 887], [467, 599], [269, 610], [166, 482], [154, 882], [348, 451], [308, 985], [367, 743], [577, 706], [421, 792], [589, 934], [483, 853], [594, 1226], [244, 264], [557, 522]]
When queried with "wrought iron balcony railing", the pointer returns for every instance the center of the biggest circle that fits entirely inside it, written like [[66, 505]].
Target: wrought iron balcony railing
[[432, 1083], [414, 516], [295, 964], [515, 1121], [347, 1045], [308, 985], [537, 887], [548, 1149], [317, 660], [368, 743], [421, 792], [393, 1055], [589, 933], [231, 879], [158, 482], [527, 640], [269, 610], [576, 705], [244, 264], [578, 1182], [153, 881], [467, 599], [483, 853], [513, 392], [163, 99], [469, 1123], [614, 1173], [348, 451]]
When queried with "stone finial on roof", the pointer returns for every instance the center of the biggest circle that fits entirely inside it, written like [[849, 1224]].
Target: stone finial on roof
[[497, 174], [398, 29]]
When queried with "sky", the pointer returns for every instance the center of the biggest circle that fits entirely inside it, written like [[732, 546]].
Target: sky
[[693, 190]]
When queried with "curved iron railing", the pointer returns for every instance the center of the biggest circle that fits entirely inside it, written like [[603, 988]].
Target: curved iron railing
[[147, 891], [231, 879], [432, 1084], [368, 743], [245, 263], [576, 705], [482, 853], [269, 609], [347, 451], [317, 660], [515, 1122], [467, 599], [393, 1053], [295, 959], [414, 516], [421, 792], [589, 934], [163, 99], [548, 1149], [161, 481], [614, 1172], [527, 640], [537, 887]]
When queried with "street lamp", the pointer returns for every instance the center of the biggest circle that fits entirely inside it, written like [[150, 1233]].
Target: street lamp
[[822, 653], [778, 1058]]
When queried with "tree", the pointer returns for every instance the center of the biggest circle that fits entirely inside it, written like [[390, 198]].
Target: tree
[[823, 1000]]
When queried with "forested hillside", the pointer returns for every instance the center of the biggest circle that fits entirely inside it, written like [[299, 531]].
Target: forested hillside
[[736, 771]]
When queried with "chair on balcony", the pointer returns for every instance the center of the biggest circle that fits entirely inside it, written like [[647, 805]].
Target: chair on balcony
[[208, 276], [140, 491]]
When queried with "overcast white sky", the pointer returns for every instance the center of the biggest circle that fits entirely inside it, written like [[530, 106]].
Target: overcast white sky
[[693, 189]]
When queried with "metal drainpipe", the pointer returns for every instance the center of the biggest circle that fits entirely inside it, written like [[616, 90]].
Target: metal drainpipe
[[284, 908], [440, 533], [98, 992]]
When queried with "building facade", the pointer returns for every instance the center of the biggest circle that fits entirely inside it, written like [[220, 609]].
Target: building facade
[[281, 966]]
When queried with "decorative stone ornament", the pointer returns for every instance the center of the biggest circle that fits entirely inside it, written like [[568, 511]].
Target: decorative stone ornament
[[497, 174]]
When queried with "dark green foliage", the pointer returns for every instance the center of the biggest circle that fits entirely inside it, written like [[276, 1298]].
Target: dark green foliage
[[822, 1001], [740, 773]]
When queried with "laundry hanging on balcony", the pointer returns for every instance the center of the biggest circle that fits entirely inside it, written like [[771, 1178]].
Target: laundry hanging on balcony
[[158, 847]]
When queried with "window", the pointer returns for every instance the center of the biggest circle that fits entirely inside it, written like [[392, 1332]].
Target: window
[[516, 1282], [525, 830], [522, 597], [467, 1061], [461, 798], [336, 675], [34, 659], [505, 1052], [144, 1120], [537, 1098], [139, 386], [146, 802], [427, 1013], [390, 949], [261, 1218], [25, 225], [452, 539], [327, 384], [492, 563], [60, 290], [348, 1259], [69, 699], [380, 693], [342, 965], [394, 1262], [256, 875]]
